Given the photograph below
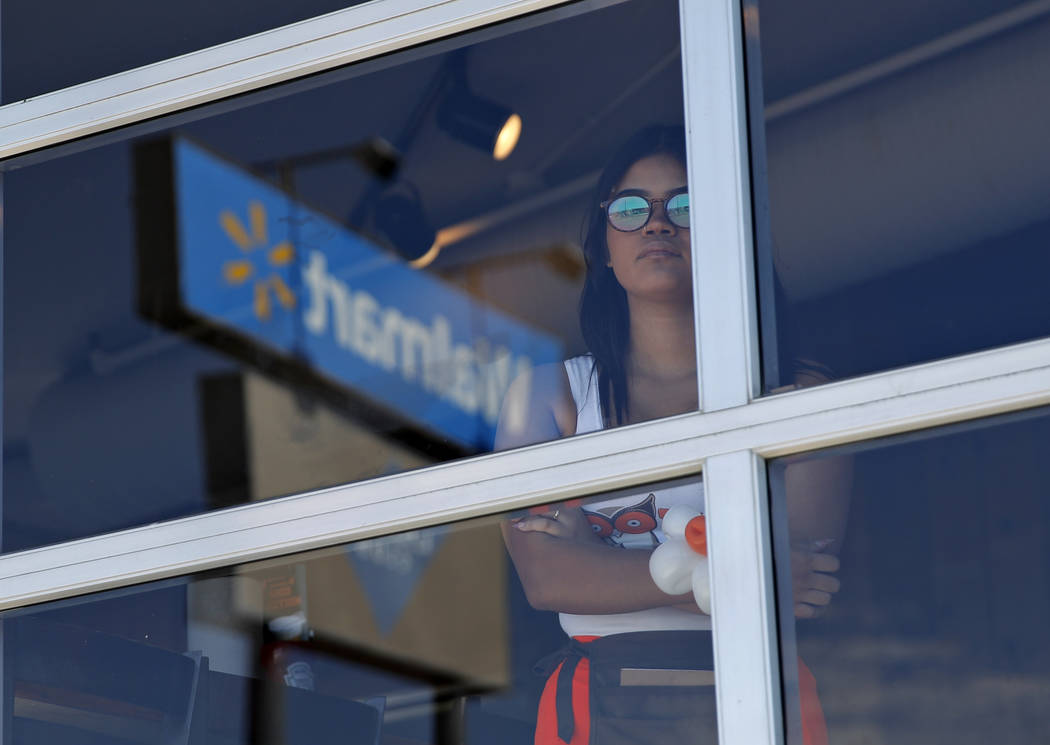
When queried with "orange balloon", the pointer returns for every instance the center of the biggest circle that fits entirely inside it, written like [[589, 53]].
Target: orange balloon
[[696, 534]]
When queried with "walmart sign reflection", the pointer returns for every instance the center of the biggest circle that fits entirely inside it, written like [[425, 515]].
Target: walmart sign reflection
[[254, 260]]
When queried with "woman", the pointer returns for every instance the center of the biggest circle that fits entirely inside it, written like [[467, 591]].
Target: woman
[[638, 666]]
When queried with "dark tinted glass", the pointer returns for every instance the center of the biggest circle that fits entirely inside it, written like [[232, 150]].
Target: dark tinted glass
[[900, 181], [938, 632], [420, 637], [325, 281], [52, 44]]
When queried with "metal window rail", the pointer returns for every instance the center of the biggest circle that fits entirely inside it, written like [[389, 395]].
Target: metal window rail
[[270, 57], [935, 393]]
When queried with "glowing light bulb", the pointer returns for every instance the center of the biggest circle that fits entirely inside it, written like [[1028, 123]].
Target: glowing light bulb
[[508, 136]]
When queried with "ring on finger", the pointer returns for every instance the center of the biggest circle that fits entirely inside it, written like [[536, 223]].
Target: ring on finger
[[555, 515]]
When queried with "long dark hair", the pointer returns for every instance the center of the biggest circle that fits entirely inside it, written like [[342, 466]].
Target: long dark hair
[[604, 316]]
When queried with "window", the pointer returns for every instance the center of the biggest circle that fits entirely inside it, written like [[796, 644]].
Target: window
[[320, 282], [946, 543], [896, 149], [735, 437], [424, 636]]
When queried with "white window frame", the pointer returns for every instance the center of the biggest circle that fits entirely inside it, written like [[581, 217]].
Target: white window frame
[[729, 440]]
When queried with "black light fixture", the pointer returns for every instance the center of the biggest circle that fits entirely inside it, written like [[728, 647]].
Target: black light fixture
[[399, 220], [378, 156], [476, 121]]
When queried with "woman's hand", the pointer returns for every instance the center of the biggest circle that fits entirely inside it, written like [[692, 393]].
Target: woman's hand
[[561, 522], [812, 582], [564, 566]]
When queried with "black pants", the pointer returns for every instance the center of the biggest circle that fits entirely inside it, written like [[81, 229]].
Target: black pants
[[624, 685]]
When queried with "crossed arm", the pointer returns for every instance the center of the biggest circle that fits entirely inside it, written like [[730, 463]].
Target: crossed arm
[[564, 567]]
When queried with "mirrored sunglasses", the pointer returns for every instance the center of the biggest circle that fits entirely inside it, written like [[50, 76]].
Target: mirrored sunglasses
[[633, 211]]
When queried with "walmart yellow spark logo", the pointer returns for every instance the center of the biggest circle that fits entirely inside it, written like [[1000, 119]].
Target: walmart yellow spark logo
[[266, 280]]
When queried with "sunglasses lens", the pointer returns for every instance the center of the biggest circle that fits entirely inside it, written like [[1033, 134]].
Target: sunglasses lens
[[678, 210], [628, 213]]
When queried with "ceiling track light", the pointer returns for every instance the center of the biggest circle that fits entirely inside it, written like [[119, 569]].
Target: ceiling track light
[[474, 120]]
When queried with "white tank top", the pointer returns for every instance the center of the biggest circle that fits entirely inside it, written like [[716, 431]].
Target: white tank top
[[629, 518]]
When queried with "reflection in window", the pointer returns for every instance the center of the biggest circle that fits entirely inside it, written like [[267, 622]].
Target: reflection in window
[[938, 631], [901, 180], [328, 280], [418, 637]]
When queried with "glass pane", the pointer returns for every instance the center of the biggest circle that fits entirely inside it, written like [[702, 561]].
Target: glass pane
[[52, 44], [900, 181], [938, 630], [419, 637], [341, 277]]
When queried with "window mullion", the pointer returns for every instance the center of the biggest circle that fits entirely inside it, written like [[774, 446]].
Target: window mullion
[[723, 291], [743, 604], [937, 393], [741, 569]]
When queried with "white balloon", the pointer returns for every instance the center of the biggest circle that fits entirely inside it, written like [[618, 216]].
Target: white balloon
[[676, 519], [671, 566], [702, 585]]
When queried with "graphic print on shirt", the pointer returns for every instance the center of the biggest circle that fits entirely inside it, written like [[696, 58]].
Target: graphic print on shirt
[[619, 524]]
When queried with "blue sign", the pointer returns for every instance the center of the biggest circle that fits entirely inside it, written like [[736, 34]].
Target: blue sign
[[254, 260]]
